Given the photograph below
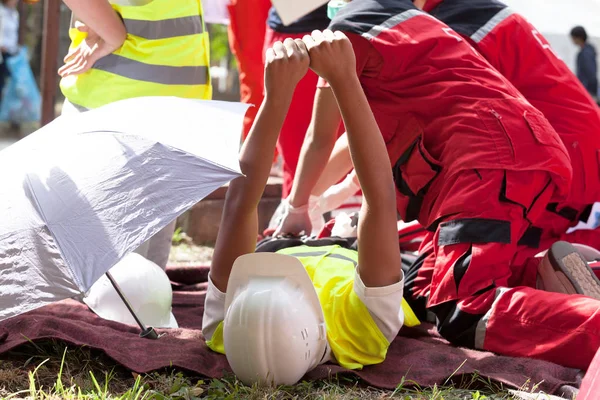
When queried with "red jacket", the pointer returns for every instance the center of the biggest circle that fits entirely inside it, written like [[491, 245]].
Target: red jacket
[[441, 107], [519, 52]]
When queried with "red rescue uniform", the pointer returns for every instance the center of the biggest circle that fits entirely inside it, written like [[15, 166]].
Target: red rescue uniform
[[248, 23], [548, 84], [477, 165]]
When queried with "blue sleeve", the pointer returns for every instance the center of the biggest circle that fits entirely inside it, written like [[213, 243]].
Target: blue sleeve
[[587, 68]]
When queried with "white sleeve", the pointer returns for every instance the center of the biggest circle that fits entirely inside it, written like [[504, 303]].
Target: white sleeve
[[384, 305], [214, 310]]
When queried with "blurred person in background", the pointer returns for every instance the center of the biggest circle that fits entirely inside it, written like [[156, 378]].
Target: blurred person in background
[[587, 66], [9, 37]]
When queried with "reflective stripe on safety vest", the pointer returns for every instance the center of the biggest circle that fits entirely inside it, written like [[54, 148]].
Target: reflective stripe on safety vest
[[166, 53]]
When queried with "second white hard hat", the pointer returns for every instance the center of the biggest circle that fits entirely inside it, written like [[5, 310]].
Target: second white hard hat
[[145, 285]]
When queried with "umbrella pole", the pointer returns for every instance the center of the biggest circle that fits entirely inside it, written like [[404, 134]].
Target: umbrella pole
[[147, 332]]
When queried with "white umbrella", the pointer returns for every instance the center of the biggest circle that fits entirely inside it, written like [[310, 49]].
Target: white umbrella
[[87, 189]]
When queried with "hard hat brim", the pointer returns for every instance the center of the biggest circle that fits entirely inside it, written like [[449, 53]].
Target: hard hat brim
[[271, 265]]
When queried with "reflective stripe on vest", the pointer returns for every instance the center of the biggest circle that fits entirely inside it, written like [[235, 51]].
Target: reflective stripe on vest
[[166, 53], [165, 29], [491, 25], [162, 74]]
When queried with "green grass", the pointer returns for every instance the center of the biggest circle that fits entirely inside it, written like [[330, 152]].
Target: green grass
[[53, 370]]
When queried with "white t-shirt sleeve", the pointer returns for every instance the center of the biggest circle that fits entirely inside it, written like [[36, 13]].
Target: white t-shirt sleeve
[[384, 305], [214, 310]]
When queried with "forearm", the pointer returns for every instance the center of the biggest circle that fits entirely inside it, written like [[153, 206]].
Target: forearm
[[100, 17], [379, 254], [338, 166], [239, 223], [318, 144], [367, 148]]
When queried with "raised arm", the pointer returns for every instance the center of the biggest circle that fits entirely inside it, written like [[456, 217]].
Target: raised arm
[[285, 66], [333, 59], [338, 166]]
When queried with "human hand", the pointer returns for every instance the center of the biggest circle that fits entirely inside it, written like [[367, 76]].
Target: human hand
[[91, 49], [295, 221], [331, 55], [286, 64], [337, 194]]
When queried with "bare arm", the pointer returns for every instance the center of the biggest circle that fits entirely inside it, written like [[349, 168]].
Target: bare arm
[[338, 166], [239, 224], [318, 144], [379, 254], [101, 18]]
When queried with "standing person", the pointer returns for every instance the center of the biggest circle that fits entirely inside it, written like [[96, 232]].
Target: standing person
[[476, 165], [132, 48], [587, 66], [9, 37], [298, 118], [247, 27]]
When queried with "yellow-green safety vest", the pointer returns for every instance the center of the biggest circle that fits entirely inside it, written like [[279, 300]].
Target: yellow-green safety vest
[[166, 53], [352, 334]]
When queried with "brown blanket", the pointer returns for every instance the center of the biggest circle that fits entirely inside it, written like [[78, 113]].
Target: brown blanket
[[418, 354]]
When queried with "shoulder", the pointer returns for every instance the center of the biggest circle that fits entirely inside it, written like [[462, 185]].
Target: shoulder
[[361, 16]]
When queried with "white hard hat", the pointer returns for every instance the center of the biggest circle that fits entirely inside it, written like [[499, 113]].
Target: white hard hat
[[146, 287], [274, 330]]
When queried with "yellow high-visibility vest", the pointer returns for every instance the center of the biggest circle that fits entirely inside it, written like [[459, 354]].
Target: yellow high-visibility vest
[[353, 335], [166, 53]]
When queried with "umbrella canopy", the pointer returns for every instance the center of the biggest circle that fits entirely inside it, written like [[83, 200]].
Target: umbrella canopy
[[82, 192]]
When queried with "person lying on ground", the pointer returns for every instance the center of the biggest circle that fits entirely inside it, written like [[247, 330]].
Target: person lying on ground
[[476, 165], [277, 316]]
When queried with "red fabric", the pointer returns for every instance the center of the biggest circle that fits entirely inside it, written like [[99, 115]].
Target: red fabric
[[248, 22], [590, 387], [418, 355], [548, 84], [298, 117], [564, 330], [464, 113], [553, 89]]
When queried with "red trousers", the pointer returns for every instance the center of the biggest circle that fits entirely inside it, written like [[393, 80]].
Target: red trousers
[[248, 22], [466, 276], [298, 117]]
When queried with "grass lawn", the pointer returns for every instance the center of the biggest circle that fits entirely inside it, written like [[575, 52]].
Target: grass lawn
[[54, 370]]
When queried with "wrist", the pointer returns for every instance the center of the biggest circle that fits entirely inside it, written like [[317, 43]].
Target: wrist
[[117, 39], [343, 81], [279, 94], [296, 203]]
